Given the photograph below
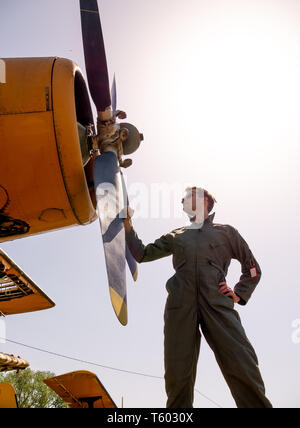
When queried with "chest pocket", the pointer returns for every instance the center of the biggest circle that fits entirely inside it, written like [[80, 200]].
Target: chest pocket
[[219, 250]]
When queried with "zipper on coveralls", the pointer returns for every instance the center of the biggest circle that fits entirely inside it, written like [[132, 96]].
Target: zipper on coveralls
[[197, 279]]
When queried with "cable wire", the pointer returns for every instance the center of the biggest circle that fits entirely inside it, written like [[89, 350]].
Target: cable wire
[[99, 365]]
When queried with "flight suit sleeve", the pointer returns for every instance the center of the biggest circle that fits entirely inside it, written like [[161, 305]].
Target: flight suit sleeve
[[162, 247], [251, 272]]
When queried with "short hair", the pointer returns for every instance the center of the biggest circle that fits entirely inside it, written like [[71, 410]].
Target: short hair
[[202, 192]]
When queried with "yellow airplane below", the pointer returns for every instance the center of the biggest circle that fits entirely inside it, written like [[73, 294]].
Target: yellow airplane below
[[8, 398], [10, 362], [18, 293], [81, 389]]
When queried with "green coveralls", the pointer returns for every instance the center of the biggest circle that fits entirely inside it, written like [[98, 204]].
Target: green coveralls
[[201, 258]]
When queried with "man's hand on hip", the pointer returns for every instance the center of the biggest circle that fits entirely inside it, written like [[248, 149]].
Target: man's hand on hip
[[227, 291]]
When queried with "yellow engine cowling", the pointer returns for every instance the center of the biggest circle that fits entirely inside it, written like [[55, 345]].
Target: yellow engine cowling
[[44, 184]]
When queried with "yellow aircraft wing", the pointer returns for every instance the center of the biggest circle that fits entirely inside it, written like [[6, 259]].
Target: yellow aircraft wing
[[8, 398], [18, 293], [81, 389], [10, 362]]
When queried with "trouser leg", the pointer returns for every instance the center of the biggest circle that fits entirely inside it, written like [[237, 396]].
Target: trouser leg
[[182, 344], [235, 355]]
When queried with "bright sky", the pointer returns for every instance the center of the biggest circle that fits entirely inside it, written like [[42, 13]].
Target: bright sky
[[214, 86]]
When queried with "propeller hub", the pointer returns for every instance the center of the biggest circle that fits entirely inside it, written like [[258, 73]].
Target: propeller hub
[[106, 115], [121, 138]]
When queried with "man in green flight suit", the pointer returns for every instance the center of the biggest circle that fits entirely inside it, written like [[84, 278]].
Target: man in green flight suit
[[198, 296]]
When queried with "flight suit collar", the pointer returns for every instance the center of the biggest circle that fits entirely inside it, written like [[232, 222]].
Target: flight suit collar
[[210, 218], [207, 222]]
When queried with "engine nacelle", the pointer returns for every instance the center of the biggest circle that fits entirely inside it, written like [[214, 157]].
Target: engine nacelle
[[45, 172]]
